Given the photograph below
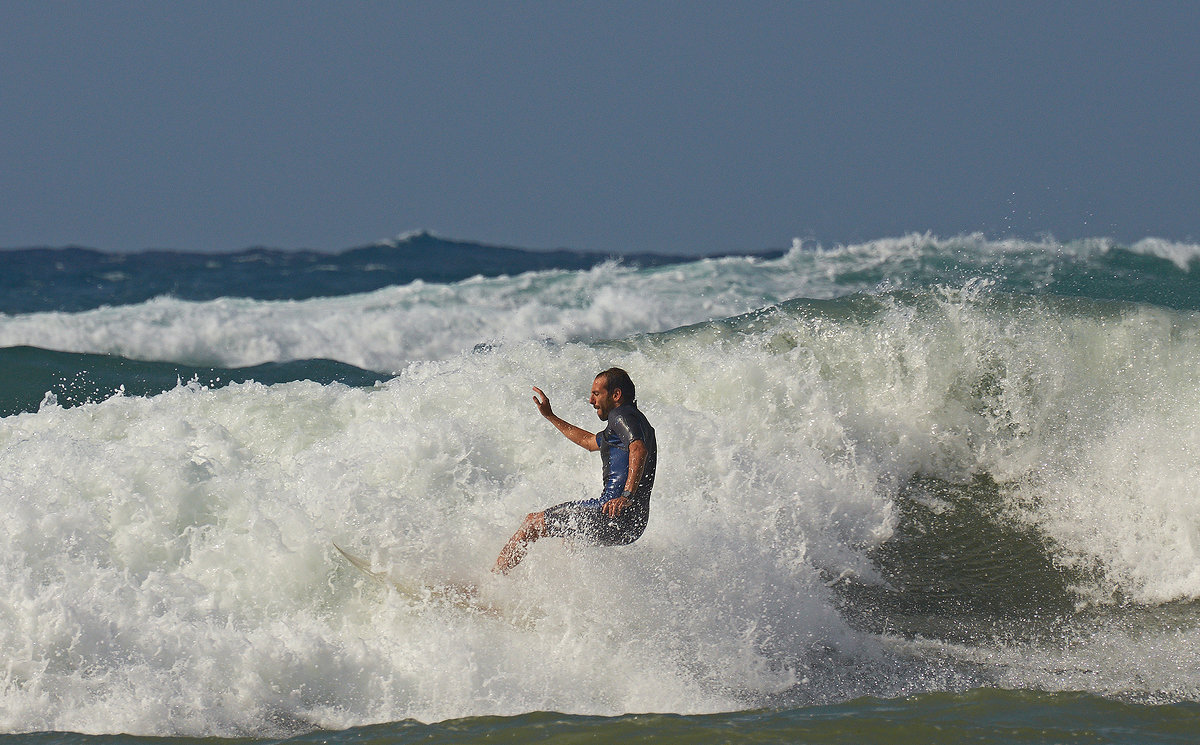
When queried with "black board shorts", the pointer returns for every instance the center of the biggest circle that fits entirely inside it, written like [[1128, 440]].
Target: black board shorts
[[587, 522]]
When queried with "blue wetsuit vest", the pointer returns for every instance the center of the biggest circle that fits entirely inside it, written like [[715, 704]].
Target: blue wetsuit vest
[[584, 518], [626, 424]]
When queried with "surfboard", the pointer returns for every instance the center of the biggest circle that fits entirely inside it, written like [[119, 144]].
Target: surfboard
[[462, 596]]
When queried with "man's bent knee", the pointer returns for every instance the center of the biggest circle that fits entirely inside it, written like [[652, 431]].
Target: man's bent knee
[[534, 526]]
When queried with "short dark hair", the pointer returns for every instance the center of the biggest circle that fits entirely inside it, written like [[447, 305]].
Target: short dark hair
[[617, 379]]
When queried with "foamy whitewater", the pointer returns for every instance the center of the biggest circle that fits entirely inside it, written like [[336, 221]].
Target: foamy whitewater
[[908, 466]]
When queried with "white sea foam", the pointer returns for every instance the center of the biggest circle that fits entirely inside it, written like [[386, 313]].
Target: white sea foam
[[180, 545], [387, 329], [166, 563], [1182, 255]]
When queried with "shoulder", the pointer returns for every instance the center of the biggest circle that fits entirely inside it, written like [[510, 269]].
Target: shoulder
[[629, 422], [621, 415]]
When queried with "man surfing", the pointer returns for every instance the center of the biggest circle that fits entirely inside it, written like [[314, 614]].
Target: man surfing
[[629, 455]]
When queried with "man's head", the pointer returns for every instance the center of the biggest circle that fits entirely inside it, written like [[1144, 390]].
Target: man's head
[[610, 389]]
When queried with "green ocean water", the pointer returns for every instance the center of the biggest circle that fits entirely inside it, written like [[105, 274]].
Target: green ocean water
[[983, 716]]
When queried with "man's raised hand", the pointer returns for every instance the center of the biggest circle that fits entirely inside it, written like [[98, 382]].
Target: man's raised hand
[[542, 401]]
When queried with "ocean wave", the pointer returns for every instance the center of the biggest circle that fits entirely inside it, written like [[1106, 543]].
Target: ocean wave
[[826, 467], [76, 279], [1182, 255], [388, 328]]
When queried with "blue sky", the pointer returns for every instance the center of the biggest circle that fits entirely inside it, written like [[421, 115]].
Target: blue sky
[[690, 127]]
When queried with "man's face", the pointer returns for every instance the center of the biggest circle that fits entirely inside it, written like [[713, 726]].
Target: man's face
[[602, 401]]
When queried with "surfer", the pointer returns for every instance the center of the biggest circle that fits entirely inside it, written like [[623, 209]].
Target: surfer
[[629, 455]]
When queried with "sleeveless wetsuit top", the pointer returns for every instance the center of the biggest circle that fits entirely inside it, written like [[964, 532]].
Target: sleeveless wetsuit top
[[626, 424], [584, 518]]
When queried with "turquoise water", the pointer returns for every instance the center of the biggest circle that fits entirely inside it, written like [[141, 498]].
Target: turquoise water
[[918, 489]]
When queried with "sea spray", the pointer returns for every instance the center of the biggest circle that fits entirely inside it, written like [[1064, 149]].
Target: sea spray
[[184, 540], [177, 548]]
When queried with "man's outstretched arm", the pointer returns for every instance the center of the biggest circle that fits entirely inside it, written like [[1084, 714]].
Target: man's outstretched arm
[[577, 435]]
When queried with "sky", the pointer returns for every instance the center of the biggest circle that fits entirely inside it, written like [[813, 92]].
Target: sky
[[675, 127]]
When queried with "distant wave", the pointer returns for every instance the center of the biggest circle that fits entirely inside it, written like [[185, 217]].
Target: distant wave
[[76, 279], [388, 328]]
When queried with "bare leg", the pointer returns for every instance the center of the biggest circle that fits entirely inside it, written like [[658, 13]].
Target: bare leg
[[533, 528]]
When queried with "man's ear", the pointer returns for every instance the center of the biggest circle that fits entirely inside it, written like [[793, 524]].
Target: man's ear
[[618, 395]]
